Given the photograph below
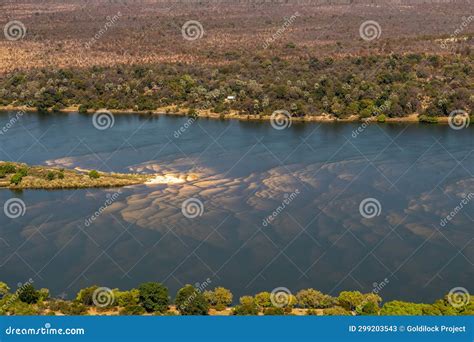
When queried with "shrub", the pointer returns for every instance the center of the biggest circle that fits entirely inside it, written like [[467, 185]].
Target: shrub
[[381, 118], [190, 301], [4, 289], [74, 309], [16, 179], [20, 308], [153, 297], [349, 300], [336, 311], [274, 311], [368, 309], [127, 298], [82, 109], [247, 307], [8, 168], [312, 312], [132, 310], [85, 296], [50, 176], [2, 173], [428, 119], [28, 294], [399, 308], [23, 171], [94, 174]]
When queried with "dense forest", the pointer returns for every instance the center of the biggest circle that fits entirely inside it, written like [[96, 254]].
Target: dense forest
[[153, 299], [394, 85]]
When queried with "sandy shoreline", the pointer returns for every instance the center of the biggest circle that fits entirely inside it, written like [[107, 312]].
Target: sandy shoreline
[[413, 118]]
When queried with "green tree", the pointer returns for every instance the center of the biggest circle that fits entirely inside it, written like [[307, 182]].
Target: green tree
[[263, 300], [86, 296], [219, 299], [190, 301], [313, 299], [349, 300], [28, 294], [154, 297]]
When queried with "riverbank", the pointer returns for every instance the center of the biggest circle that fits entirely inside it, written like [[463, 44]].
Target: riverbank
[[19, 176], [234, 115]]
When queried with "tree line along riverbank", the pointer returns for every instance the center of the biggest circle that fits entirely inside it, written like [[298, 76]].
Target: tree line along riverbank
[[154, 299]]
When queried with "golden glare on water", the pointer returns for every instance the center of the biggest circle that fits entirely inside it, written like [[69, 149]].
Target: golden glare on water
[[171, 179]]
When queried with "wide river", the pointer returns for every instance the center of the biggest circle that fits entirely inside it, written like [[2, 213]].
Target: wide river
[[310, 178]]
